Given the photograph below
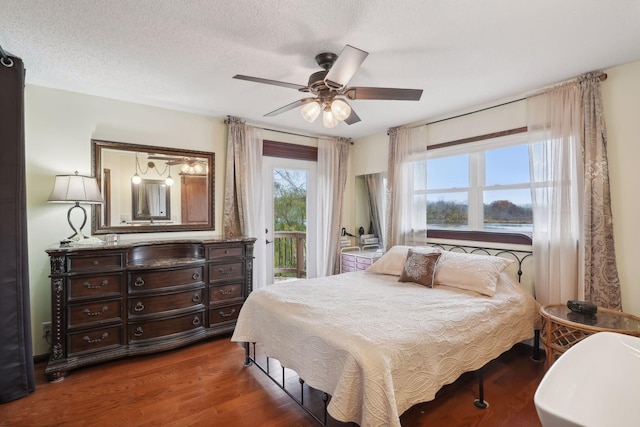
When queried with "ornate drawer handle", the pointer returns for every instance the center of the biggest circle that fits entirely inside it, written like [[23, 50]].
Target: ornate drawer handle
[[139, 282], [229, 314], [139, 306], [229, 292], [225, 271], [95, 313], [89, 285], [196, 298], [96, 262], [196, 276], [138, 332], [196, 321], [96, 340]]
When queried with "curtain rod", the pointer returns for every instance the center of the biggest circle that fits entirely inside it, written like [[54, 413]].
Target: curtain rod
[[226, 122], [602, 76]]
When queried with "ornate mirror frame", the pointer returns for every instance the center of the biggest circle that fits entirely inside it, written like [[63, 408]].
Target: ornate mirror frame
[[103, 177]]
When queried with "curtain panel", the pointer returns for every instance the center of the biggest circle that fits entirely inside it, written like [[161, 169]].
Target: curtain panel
[[574, 257], [244, 213], [333, 159], [405, 213], [17, 377]]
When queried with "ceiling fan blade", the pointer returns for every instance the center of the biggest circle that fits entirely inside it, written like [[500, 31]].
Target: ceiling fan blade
[[394, 94], [291, 106], [345, 67], [270, 82], [353, 118]]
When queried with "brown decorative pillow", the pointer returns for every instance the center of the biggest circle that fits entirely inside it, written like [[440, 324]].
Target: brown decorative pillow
[[420, 268]]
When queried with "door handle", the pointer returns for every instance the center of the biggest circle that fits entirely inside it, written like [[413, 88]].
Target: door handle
[[269, 241]]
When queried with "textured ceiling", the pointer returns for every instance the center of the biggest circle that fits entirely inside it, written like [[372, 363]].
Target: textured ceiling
[[183, 54]]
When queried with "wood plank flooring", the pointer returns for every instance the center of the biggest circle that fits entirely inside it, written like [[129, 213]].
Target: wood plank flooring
[[206, 385]]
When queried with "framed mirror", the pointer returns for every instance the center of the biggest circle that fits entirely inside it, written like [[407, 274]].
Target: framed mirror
[[152, 189]]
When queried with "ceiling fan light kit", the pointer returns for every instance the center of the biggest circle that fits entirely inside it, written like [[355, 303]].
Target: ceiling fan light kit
[[326, 85], [311, 111]]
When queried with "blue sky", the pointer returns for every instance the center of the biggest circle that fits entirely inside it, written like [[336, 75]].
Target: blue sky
[[503, 166]]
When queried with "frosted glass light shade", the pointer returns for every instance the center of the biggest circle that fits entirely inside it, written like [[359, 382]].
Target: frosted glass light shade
[[311, 111], [340, 109], [328, 119], [136, 178], [169, 181]]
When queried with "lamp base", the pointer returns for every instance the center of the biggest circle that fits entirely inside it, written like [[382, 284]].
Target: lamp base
[[86, 241]]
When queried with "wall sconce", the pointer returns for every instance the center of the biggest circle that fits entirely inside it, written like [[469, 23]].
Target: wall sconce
[[77, 189]]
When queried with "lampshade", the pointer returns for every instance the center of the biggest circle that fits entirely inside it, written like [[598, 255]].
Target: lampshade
[[75, 188], [328, 119], [311, 111], [340, 109]]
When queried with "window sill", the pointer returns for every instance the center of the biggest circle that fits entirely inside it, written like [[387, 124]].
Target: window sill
[[481, 236]]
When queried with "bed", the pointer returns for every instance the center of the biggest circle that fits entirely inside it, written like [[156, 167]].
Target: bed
[[378, 345]]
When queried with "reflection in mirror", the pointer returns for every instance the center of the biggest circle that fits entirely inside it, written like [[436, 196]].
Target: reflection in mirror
[[371, 204], [151, 200], [151, 189]]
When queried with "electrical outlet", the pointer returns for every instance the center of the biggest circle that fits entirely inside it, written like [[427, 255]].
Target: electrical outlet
[[46, 329]]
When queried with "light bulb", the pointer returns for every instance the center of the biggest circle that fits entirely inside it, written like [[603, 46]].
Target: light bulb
[[328, 120], [340, 109], [311, 111], [136, 178], [169, 181]]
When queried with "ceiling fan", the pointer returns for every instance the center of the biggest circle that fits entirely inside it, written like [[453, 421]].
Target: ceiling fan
[[329, 87]]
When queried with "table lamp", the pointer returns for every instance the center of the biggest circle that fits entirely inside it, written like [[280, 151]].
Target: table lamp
[[76, 189]]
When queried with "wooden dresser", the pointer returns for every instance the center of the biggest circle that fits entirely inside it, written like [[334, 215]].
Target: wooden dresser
[[113, 301]]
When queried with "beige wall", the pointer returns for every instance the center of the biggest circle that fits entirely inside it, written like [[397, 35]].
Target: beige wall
[[621, 104], [621, 98], [59, 127]]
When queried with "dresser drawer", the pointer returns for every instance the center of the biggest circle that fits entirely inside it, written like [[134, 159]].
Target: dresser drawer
[[229, 251], [225, 292], [231, 271], [362, 263], [348, 268], [223, 314], [95, 286], [145, 280], [85, 315], [148, 305], [95, 262], [94, 340], [141, 331], [349, 260]]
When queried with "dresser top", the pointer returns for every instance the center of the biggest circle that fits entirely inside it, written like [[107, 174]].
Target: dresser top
[[128, 244]]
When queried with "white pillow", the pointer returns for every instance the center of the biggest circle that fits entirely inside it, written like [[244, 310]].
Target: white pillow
[[392, 262], [471, 272]]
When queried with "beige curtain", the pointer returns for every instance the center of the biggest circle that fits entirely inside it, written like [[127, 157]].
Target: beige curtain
[[573, 249], [235, 189], [244, 213], [602, 285], [333, 160], [405, 214]]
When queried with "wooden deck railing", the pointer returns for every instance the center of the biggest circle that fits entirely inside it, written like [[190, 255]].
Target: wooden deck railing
[[290, 254]]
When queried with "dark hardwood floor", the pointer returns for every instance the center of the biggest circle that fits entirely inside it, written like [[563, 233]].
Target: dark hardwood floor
[[206, 385]]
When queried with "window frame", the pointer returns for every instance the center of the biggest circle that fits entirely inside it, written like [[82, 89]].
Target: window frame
[[484, 142]]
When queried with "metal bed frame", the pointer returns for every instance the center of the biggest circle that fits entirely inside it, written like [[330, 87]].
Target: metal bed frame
[[251, 358]]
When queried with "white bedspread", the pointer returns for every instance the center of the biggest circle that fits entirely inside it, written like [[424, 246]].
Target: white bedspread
[[378, 346]]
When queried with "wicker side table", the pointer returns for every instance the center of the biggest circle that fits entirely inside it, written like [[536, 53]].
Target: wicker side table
[[562, 328]]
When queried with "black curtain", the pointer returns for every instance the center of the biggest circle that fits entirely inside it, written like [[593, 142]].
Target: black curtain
[[16, 353]]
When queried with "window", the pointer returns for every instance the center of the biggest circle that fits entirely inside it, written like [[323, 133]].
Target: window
[[483, 186]]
